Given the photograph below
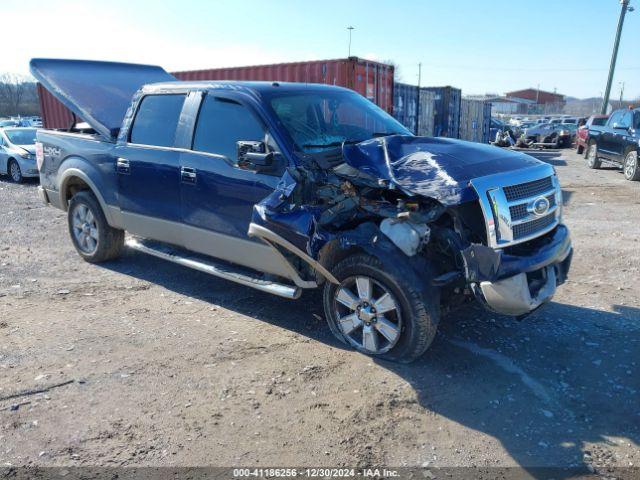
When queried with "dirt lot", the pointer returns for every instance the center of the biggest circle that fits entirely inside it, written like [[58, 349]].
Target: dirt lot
[[172, 367]]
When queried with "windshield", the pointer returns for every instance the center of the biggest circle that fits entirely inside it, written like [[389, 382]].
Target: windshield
[[25, 136], [320, 120]]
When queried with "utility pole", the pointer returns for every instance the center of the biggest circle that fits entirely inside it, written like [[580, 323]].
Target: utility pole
[[623, 11], [350, 28], [417, 132]]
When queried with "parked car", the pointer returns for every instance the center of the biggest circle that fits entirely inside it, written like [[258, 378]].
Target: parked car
[[554, 135], [285, 186], [617, 142], [583, 131], [17, 153], [5, 122]]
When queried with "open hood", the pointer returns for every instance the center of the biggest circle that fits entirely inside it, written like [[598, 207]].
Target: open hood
[[438, 168], [97, 92]]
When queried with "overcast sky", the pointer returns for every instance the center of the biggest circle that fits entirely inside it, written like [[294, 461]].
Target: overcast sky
[[478, 45]]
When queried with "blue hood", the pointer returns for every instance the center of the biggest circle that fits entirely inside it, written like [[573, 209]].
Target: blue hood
[[97, 92], [439, 168]]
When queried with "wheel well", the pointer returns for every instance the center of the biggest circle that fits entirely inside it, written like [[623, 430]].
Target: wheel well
[[630, 148], [72, 186], [332, 253]]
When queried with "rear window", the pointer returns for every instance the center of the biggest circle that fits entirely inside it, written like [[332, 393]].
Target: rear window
[[157, 120], [599, 121]]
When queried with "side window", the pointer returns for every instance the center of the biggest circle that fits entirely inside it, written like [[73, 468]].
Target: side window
[[636, 120], [614, 118], [627, 119], [221, 123], [156, 120]]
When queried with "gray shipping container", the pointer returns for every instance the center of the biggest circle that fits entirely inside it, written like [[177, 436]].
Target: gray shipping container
[[447, 113], [426, 114], [475, 120]]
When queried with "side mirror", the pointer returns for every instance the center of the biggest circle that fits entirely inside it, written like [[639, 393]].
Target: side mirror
[[254, 156]]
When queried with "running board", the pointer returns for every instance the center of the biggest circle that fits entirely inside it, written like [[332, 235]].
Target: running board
[[226, 271]]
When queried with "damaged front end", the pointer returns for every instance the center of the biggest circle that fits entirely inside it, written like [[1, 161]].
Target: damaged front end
[[416, 204]]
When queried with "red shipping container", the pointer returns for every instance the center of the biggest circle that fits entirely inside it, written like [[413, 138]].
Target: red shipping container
[[373, 80]]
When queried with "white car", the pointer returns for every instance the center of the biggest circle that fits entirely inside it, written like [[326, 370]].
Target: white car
[[17, 153]]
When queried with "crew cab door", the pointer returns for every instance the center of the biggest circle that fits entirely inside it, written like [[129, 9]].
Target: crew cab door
[[218, 195], [148, 170], [607, 140]]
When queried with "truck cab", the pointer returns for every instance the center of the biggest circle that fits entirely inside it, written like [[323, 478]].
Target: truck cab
[[284, 187], [617, 142]]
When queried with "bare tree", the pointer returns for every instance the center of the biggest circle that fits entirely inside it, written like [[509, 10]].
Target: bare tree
[[17, 94], [397, 77]]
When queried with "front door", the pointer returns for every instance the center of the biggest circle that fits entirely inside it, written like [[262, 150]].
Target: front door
[[148, 170], [217, 195]]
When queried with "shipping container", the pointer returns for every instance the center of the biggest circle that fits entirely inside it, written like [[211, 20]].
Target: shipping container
[[447, 111], [373, 80], [475, 120], [426, 114], [405, 105]]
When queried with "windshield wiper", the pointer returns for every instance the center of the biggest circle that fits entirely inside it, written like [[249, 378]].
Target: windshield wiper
[[385, 134], [332, 144]]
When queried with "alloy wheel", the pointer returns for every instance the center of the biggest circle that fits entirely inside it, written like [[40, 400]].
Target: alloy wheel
[[85, 229], [16, 174], [367, 314], [630, 165]]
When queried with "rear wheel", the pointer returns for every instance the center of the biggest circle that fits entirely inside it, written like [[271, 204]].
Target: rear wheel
[[631, 167], [592, 156], [377, 313], [94, 239], [14, 171]]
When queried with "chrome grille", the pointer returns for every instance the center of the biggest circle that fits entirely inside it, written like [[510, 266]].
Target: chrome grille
[[508, 202], [518, 212], [528, 189], [523, 230]]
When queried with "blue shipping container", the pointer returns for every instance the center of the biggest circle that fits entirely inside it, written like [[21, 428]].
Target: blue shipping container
[[405, 105], [447, 111]]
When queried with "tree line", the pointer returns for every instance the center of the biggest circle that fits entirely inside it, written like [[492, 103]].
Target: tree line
[[18, 96]]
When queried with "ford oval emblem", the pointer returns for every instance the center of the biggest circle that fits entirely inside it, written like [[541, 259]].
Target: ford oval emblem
[[540, 206]]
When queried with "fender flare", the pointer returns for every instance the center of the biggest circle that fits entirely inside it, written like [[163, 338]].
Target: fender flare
[[73, 172]]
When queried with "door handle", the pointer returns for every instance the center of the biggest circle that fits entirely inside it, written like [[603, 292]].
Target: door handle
[[122, 166], [188, 174]]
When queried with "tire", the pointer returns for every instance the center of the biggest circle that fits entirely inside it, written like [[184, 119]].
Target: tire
[[94, 239], [579, 149], [592, 156], [408, 329], [13, 169], [631, 167]]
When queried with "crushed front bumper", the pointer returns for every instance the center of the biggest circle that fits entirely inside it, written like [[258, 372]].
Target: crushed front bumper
[[516, 284]]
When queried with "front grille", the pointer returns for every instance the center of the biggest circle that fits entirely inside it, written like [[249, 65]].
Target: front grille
[[518, 212], [523, 230], [529, 189]]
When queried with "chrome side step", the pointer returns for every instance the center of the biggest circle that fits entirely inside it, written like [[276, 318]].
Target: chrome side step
[[197, 262]]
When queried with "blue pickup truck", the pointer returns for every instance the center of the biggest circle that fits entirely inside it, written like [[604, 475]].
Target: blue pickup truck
[[283, 187], [617, 142]]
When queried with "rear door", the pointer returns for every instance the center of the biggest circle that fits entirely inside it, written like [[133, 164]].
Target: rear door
[[148, 170], [217, 194]]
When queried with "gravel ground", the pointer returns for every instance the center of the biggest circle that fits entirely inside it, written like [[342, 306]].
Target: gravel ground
[[172, 367]]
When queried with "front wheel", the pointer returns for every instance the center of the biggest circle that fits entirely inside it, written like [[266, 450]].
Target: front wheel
[[378, 313], [592, 157], [631, 167], [95, 240], [14, 171]]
